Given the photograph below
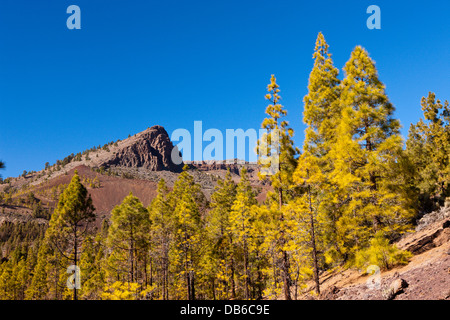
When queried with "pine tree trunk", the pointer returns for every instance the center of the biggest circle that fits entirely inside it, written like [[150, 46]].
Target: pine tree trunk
[[285, 262], [233, 285], [75, 244], [286, 280], [151, 272], [164, 281], [247, 277], [165, 272], [260, 288], [192, 274], [188, 278], [131, 272], [313, 245]]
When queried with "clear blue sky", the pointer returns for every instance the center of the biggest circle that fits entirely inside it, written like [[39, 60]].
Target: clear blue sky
[[135, 64]]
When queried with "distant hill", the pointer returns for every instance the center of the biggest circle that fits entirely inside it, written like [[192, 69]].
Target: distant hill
[[112, 171]]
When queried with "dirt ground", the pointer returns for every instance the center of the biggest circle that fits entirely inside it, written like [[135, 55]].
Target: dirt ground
[[425, 277]]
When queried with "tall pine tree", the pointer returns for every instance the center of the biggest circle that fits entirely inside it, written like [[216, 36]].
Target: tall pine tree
[[321, 115], [278, 150], [161, 232], [367, 144], [186, 200], [242, 218], [428, 149], [128, 239], [222, 239], [70, 222]]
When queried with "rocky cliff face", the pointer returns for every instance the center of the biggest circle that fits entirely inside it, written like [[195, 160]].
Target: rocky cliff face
[[151, 150]]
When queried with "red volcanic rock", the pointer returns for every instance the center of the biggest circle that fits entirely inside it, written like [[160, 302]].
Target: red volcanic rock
[[151, 150]]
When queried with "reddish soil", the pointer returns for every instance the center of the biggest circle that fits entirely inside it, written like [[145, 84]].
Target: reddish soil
[[427, 275], [112, 189]]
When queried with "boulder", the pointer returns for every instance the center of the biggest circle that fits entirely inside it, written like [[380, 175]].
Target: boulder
[[396, 287], [329, 293]]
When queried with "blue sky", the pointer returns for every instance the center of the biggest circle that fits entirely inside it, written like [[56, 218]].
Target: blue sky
[[135, 64]]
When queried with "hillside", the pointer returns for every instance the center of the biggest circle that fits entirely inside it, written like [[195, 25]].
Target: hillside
[[425, 277], [111, 172]]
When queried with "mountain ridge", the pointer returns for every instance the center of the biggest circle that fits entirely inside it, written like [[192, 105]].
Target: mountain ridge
[[135, 164]]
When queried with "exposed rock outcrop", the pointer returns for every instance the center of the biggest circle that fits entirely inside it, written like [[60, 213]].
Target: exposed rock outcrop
[[432, 217], [432, 231], [151, 150]]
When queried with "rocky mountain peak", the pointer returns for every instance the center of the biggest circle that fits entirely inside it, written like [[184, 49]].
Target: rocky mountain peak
[[150, 149]]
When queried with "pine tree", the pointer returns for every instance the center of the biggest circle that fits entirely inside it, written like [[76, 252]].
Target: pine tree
[[277, 148], [22, 279], [222, 242], [186, 200], [92, 268], [128, 239], [38, 288], [428, 149], [70, 222], [370, 112], [161, 233], [7, 285], [241, 224], [57, 277], [321, 115], [269, 245], [367, 144], [321, 104], [96, 182], [309, 174]]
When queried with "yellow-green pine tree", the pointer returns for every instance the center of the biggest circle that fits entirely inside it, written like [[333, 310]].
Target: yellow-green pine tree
[[241, 225], [321, 104], [277, 157], [310, 176], [92, 269], [128, 239], [221, 255], [428, 148], [69, 223], [161, 232], [368, 143], [321, 115], [186, 200], [39, 286]]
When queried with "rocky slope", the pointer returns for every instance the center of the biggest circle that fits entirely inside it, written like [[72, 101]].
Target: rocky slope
[[425, 277]]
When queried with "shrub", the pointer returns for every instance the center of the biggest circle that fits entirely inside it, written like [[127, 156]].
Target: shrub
[[381, 253]]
